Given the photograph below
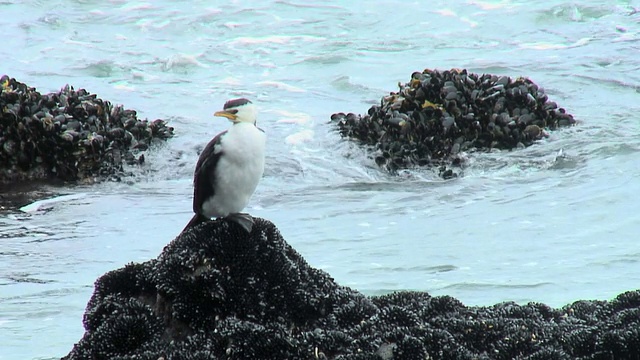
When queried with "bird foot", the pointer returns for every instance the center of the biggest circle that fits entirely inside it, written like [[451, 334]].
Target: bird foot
[[242, 219]]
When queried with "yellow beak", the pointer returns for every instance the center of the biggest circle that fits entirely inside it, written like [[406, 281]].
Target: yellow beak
[[225, 114]]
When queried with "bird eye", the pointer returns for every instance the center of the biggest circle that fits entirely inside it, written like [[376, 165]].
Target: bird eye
[[233, 111]]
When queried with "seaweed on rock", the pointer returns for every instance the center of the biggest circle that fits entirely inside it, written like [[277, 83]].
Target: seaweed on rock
[[216, 292]]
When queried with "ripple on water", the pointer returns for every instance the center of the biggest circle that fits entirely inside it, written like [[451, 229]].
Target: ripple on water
[[326, 59]]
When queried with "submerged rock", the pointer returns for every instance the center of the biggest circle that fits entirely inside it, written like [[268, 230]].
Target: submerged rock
[[437, 115], [68, 135], [216, 292]]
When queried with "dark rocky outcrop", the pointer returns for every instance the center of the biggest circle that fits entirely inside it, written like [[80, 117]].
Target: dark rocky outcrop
[[217, 293], [437, 115], [68, 135]]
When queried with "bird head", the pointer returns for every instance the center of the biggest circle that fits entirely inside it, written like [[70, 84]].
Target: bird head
[[238, 111]]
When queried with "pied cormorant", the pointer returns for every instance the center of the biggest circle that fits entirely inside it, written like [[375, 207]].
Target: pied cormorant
[[229, 168]]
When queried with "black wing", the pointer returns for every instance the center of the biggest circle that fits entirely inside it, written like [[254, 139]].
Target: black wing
[[202, 182]]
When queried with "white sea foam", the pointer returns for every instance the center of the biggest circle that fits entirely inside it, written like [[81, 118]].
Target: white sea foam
[[46, 204], [552, 46], [290, 117], [300, 137], [281, 85], [274, 39]]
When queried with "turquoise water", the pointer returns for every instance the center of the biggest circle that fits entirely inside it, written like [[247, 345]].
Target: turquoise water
[[553, 223]]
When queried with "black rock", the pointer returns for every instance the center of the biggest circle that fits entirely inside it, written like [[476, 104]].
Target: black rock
[[439, 107], [69, 135], [217, 293]]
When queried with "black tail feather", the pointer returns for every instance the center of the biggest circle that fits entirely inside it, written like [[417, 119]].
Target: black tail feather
[[242, 219]]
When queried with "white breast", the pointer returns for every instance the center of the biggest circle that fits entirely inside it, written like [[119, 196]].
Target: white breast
[[238, 171]]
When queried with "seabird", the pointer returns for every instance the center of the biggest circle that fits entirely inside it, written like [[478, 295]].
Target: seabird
[[229, 168]]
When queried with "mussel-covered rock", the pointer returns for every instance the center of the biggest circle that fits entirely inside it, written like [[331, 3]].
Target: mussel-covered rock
[[70, 135], [217, 292], [437, 115]]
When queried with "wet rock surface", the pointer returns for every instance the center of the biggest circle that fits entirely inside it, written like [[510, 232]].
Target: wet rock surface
[[70, 135], [216, 292], [436, 116], [14, 196]]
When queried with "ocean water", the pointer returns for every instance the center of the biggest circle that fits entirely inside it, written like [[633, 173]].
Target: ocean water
[[553, 223]]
